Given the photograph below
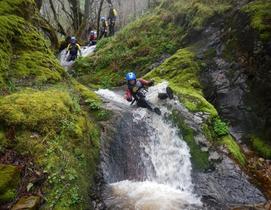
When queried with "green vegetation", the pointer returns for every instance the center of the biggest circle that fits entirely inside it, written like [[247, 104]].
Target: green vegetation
[[58, 134], [220, 128], [234, 149], [199, 158], [262, 148], [137, 46], [146, 40], [260, 14], [9, 182], [24, 54], [44, 116], [182, 71]]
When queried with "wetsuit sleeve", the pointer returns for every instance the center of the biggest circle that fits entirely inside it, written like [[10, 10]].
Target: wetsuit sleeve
[[128, 95]]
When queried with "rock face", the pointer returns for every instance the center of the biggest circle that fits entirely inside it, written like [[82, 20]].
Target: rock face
[[237, 74], [9, 182], [226, 186]]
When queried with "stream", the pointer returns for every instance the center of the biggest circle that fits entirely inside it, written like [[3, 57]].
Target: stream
[[156, 170], [146, 164]]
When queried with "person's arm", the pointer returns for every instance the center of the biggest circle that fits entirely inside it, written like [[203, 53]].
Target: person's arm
[[79, 49], [146, 82], [68, 49], [128, 95]]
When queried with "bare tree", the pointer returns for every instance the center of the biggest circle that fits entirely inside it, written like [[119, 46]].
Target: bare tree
[[99, 17]]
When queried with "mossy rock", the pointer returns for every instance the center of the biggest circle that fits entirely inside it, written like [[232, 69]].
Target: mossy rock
[[182, 72], [234, 149], [9, 182], [259, 12], [261, 147], [199, 158], [24, 53], [39, 110], [27, 202]]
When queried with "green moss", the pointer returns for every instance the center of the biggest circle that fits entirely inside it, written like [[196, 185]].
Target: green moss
[[9, 182], [137, 46], [234, 149], [31, 109], [24, 54], [262, 148], [260, 14], [199, 158], [85, 92], [15, 7], [68, 149], [197, 12], [182, 72], [8, 196]]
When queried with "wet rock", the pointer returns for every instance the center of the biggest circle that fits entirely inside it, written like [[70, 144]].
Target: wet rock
[[9, 182], [27, 203], [214, 156], [225, 186]]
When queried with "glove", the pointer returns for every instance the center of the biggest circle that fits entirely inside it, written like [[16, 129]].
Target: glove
[[151, 83], [129, 99]]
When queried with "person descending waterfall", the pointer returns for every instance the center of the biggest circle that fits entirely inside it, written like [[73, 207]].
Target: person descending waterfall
[[104, 28], [137, 89], [112, 17], [73, 50], [92, 38]]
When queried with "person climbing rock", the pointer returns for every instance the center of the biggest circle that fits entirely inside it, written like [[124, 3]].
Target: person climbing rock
[[92, 38], [73, 49], [137, 89], [104, 28], [112, 17]]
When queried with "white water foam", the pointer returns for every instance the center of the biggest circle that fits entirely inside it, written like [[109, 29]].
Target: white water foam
[[167, 187], [86, 51]]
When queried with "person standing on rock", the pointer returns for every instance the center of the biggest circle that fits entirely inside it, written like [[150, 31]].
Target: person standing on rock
[[104, 28], [136, 92], [112, 17]]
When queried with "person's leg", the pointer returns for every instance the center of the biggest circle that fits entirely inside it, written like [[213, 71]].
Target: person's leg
[[168, 94], [162, 96]]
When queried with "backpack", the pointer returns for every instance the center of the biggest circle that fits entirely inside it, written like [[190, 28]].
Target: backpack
[[115, 13]]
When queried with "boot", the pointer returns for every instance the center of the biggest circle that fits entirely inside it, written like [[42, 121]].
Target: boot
[[170, 93]]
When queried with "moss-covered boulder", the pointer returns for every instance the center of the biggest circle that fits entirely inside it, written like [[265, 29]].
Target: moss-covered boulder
[[259, 12], [9, 182], [38, 110], [182, 71], [24, 54]]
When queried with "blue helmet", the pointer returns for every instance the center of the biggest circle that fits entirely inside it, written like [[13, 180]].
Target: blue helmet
[[130, 76]]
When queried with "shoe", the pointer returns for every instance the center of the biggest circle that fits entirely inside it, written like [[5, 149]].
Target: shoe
[[157, 111], [170, 93]]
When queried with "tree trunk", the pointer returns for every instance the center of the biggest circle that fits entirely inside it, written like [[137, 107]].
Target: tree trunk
[[60, 28], [99, 17]]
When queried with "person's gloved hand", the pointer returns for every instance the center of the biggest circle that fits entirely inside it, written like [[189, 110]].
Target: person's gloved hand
[[151, 83], [130, 99]]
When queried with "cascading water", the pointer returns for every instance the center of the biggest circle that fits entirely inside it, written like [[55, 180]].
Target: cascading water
[[166, 184], [86, 51]]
